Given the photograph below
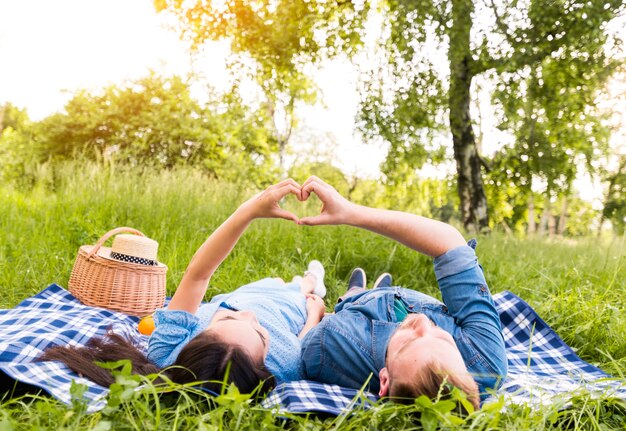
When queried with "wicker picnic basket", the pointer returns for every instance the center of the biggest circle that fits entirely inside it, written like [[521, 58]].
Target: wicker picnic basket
[[99, 280]]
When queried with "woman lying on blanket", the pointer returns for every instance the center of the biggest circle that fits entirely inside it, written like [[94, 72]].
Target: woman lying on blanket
[[252, 334]]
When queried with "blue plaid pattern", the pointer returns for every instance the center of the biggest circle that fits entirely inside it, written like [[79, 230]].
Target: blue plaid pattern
[[541, 365], [305, 396], [55, 317], [541, 368]]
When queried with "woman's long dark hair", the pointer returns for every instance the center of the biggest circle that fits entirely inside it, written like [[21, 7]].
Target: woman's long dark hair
[[205, 359]]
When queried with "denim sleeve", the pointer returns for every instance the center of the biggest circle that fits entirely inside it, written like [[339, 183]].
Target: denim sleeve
[[466, 295], [339, 351]]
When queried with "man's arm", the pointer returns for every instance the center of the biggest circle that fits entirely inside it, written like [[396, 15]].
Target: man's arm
[[462, 283], [461, 280], [427, 236]]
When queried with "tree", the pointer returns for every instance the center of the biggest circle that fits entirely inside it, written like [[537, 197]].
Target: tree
[[13, 117], [155, 121], [16, 146], [550, 108], [555, 121], [505, 42], [273, 42], [615, 199]]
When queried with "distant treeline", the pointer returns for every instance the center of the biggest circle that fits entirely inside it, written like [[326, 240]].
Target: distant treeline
[[155, 124]]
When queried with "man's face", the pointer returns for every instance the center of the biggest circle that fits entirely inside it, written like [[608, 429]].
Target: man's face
[[415, 343]]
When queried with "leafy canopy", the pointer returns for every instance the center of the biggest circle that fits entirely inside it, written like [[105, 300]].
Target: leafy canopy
[[155, 121]]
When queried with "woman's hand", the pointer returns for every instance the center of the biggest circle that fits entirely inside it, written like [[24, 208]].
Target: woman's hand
[[315, 309], [265, 204]]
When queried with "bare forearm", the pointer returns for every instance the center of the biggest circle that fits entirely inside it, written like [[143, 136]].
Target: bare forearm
[[427, 236], [310, 324], [218, 246], [424, 235], [207, 259]]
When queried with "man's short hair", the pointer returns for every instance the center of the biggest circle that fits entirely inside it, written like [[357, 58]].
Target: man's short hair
[[434, 382]]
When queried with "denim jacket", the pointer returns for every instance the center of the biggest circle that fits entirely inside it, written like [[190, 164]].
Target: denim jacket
[[350, 345]]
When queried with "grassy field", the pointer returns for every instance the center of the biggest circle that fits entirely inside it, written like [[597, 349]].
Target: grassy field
[[578, 287]]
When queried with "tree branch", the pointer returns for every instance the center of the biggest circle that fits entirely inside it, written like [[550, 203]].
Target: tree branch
[[484, 163], [500, 23]]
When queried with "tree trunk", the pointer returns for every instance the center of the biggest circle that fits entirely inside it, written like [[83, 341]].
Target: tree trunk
[[551, 225], [532, 226], [282, 136], [545, 217], [563, 219], [609, 192], [468, 162], [282, 149]]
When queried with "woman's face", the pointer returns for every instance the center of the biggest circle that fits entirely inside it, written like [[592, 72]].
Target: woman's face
[[242, 328]]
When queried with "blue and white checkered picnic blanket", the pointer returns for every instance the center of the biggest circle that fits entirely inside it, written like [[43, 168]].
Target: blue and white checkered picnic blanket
[[55, 317], [541, 365]]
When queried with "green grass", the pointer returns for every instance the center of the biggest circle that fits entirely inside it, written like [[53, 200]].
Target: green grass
[[578, 287]]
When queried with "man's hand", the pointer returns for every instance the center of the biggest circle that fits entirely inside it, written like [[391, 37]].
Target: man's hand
[[265, 204], [422, 234], [335, 208]]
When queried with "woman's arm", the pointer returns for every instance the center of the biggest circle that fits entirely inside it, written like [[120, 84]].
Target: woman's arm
[[314, 312], [219, 244], [427, 236]]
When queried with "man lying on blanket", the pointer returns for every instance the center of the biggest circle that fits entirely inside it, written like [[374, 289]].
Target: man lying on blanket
[[409, 343]]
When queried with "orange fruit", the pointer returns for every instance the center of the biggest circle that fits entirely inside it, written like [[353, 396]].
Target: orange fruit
[[146, 325]]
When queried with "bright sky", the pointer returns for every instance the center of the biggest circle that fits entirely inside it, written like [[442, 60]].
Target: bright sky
[[50, 48]]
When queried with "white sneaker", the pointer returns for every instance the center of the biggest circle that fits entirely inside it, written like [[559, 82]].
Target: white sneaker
[[317, 269]]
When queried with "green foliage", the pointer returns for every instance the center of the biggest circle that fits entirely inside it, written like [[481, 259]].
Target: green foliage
[[580, 218], [273, 43], [509, 209], [154, 121], [13, 117], [18, 152], [405, 191], [615, 203], [547, 60], [576, 285], [280, 36], [331, 174], [507, 206], [553, 117], [428, 197]]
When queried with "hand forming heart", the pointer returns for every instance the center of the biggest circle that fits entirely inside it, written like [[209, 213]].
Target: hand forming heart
[[335, 208]]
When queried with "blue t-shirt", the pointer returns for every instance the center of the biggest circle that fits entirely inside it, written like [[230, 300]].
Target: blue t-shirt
[[279, 308]]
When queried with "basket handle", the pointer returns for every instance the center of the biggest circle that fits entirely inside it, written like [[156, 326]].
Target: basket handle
[[109, 234]]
